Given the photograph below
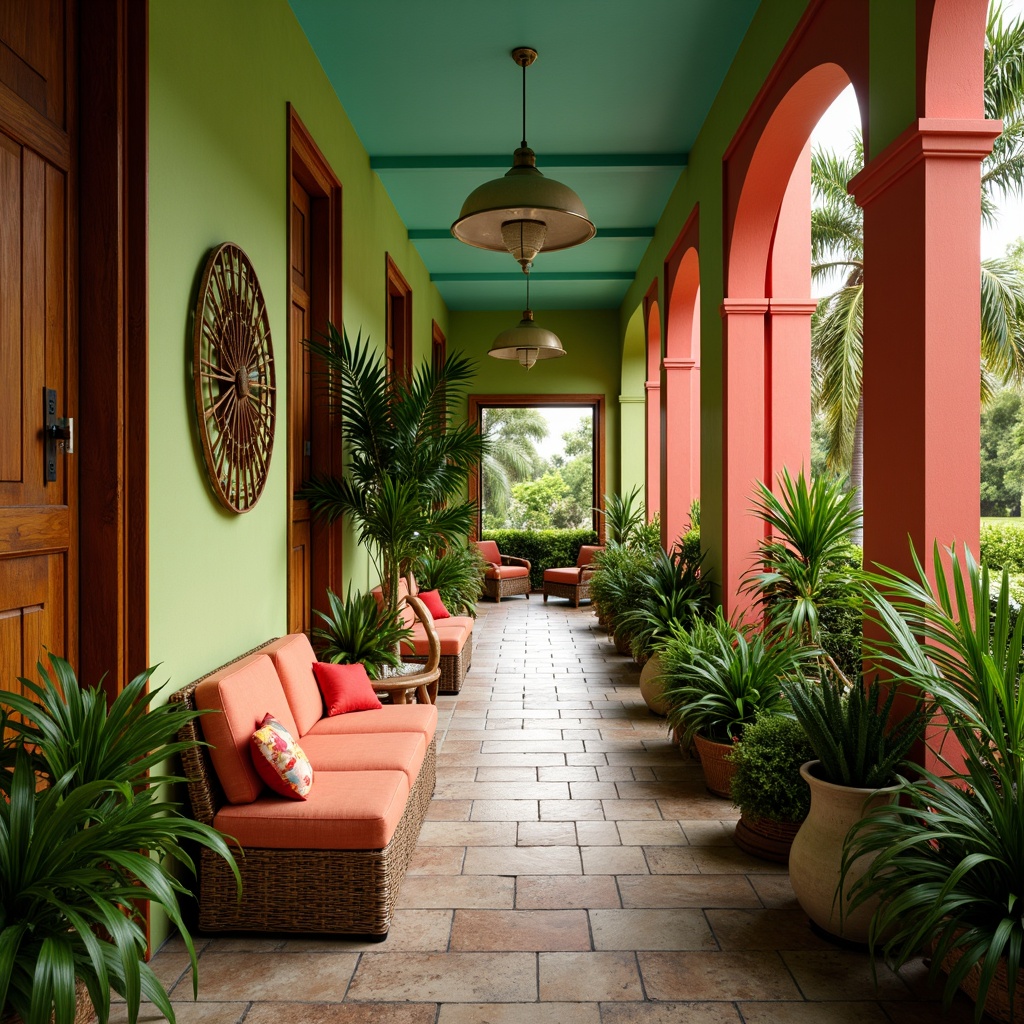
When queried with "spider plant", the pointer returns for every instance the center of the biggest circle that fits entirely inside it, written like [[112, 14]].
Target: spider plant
[[618, 584], [359, 630], [803, 564], [456, 574], [948, 853], [407, 462], [623, 516], [722, 677], [87, 837]]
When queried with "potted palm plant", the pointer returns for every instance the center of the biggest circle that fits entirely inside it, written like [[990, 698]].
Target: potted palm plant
[[456, 573], [718, 681], [617, 585], [945, 859], [86, 838], [767, 787], [407, 462]]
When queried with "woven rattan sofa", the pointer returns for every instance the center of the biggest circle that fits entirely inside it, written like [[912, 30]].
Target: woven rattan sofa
[[572, 582], [506, 575], [334, 862]]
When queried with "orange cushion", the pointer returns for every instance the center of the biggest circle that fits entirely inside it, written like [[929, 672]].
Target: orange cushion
[[243, 692], [389, 751], [507, 572], [452, 638], [432, 599], [344, 811], [421, 718], [570, 576], [346, 688], [489, 550], [403, 589], [466, 621], [293, 658], [587, 552]]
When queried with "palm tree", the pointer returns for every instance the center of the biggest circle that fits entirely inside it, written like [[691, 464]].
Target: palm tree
[[837, 249], [513, 456], [406, 463]]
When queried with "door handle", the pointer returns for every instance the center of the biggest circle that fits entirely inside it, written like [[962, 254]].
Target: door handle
[[58, 435]]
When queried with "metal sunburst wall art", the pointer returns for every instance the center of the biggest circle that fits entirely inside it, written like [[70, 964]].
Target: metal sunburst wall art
[[233, 373]]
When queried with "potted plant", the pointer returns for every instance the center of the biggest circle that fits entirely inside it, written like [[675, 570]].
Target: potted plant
[[718, 683], [617, 585], [945, 859], [767, 787], [623, 516], [86, 837], [859, 749], [456, 573], [359, 630], [407, 462]]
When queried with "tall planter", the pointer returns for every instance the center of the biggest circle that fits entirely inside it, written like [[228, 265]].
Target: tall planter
[[652, 685], [718, 770], [816, 856]]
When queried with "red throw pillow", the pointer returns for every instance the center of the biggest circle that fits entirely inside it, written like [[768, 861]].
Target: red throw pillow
[[345, 688], [280, 762], [432, 599]]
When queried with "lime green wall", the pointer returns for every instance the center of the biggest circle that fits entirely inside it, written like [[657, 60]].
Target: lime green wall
[[633, 406], [221, 75], [591, 365]]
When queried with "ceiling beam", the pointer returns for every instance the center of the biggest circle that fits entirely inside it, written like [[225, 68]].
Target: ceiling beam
[[512, 275], [443, 233], [448, 163]]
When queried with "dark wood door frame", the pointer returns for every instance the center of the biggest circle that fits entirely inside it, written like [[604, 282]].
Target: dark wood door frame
[[112, 447], [308, 166], [397, 320], [477, 403]]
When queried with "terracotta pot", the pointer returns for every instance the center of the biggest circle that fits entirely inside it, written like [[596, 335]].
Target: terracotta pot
[[997, 1002], [718, 772], [652, 685], [764, 838], [817, 854], [622, 644]]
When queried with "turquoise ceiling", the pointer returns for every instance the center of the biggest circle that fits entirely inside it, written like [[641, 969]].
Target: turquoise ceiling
[[616, 98]]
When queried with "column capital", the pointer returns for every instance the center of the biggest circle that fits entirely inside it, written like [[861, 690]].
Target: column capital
[[740, 307], [792, 307], [679, 364], [652, 385], [928, 138], [632, 399]]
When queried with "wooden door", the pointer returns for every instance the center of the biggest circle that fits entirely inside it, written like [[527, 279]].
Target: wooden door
[[38, 518]]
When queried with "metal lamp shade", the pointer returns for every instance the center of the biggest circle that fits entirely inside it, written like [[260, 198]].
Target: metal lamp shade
[[526, 342], [523, 194]]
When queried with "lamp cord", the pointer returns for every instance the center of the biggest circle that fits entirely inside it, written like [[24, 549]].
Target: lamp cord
[[524, 106]]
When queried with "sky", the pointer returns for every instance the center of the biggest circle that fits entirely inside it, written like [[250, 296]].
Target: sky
[[835, 128]]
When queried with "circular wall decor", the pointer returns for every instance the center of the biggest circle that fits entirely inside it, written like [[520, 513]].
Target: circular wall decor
[[233, 372]]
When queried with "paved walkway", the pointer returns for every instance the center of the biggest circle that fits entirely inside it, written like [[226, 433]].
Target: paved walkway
[[572, 870]]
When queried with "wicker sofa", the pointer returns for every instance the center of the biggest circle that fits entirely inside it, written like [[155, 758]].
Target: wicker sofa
[[334, 862]]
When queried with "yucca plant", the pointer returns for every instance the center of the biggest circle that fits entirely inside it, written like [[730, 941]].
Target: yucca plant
[[623, 515], [948, 853], [86, 837], [725, 677], [359, 630], [802, 565], [457, 574]]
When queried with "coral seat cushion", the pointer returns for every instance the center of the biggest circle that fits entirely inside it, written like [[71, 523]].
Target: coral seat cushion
[[489, 551], [451, 638], [293, 658], [587, 552], [569, 576], [507, 572], [432, 599], [420, 718], [280, 762], [345, 688]]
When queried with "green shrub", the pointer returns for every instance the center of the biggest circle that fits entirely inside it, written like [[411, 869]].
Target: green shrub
[[457, 575], [767, 782], [689, 545], [1002, 546], [545, 549], [840, 621], [619, 585]]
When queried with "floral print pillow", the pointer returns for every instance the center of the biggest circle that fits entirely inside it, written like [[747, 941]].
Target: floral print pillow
[[280, 761]]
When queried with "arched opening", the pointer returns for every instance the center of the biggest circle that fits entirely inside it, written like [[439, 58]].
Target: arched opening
[[680, 384], [631, 405]]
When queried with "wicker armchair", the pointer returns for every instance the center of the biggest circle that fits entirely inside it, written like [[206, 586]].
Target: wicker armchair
[[506, 575], [572, 582]]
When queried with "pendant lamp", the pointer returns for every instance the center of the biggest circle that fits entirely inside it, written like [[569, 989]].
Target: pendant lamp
[[527, 341], [523, 212]]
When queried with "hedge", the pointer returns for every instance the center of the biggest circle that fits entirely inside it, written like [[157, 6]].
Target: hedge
[[1002, 546], [546, 549]]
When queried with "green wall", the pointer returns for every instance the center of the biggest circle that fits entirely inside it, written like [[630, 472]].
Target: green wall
[[221, 75], [592, 363]]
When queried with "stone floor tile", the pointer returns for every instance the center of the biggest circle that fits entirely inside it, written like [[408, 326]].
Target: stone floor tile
[[775, 891], [709, 833], [571, 810], [764, 929], [592, 790], [506, 790], [511, 759], [470, 833], [520, 1013], [671, 860], [527, 930], [233, 977], [698, 807], [725, 976], [597, 833], [541, 892], [842, 974], [651, 929], [523, 860], [586, 760], [563, 773], [437, 860], [444, 891], [670, 1013], [631, 810], [546, 833], [504, 810], [725, 860], [420, 930], [449, 810], [445, 977], [193, 1013], [815, 1013], [613, 860], [651, 833], [577, 977], [961, 1011], [687, 891], [518, 774]]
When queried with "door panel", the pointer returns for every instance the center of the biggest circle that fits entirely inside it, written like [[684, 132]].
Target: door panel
[[38, 526]]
